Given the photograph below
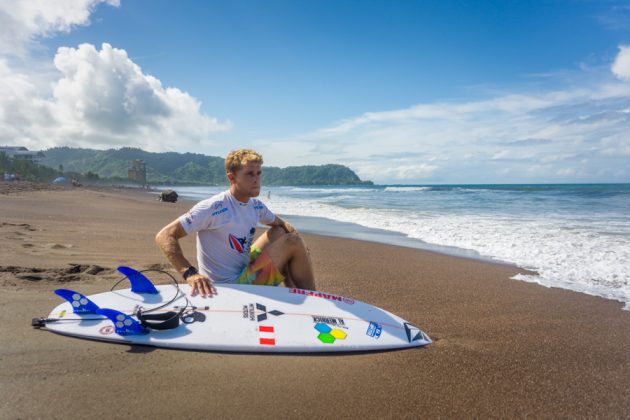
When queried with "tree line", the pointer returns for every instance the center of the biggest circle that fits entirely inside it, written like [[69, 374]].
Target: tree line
[[186, 168]]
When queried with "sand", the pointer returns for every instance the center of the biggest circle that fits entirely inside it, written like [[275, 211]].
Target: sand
[[502, 348]]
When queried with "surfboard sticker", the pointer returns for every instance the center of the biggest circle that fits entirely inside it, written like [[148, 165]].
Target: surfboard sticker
[[262, 315], [374, 330], [267, 336], [329, 335], [413, 333], [322, 295]]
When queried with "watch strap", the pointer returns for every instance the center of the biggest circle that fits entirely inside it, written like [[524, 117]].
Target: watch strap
[[189, 272]]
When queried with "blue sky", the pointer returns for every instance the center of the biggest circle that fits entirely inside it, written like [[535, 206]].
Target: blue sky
[[400, 91]]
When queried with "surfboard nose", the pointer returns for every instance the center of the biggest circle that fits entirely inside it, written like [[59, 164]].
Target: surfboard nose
[[415, 335]]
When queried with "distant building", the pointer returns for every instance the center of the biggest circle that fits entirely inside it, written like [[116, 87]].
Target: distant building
[[138, 171], [20, 152]]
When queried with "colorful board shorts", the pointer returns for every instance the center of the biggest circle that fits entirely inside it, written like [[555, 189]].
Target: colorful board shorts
[[260, 270]]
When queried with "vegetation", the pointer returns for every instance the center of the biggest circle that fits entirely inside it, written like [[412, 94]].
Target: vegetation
[[27, 170], [186, 168]]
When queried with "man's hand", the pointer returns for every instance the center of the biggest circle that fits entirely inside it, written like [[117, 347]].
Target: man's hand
[[202, 285], [288, 228]]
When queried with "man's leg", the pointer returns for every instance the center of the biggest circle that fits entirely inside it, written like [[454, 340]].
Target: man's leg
[[290, 255], [269, 236]]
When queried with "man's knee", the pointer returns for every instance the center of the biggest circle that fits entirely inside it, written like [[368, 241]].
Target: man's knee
[[295, 240], [275, 232]]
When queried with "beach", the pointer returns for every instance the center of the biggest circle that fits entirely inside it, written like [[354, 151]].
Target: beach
[[502, 348]]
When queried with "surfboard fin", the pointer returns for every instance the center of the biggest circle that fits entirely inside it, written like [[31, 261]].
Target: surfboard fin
[[139, 282], [80, 304], [123, 324]]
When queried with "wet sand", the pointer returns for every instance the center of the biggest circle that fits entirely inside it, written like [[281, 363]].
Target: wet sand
[[502, 348]]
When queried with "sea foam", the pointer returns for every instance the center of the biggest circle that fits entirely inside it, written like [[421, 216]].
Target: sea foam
[[563, 252]]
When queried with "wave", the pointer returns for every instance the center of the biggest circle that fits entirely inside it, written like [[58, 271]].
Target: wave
[[563, 252], [332, 190], [407, 189]]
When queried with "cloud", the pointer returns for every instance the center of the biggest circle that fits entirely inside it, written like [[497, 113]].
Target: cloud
[[23, 21], [621, 65], [86, 97], [401, 171], [575, 134], [616, 17], [527, 142], [102, 99]]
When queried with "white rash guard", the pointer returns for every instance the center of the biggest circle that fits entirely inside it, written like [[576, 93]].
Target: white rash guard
[[225, 231]]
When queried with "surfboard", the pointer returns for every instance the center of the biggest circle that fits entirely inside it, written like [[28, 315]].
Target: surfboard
[[239, 318]]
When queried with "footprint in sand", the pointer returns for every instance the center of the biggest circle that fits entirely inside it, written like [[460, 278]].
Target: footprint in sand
[[19, 234], [58, 246], [54, 246], [61, 275], [25, 226], [50, 249]]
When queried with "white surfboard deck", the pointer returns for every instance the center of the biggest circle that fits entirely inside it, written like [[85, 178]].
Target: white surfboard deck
[[244, 318]]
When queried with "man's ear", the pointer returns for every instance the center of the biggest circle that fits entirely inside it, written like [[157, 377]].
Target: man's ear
[[230, 176]]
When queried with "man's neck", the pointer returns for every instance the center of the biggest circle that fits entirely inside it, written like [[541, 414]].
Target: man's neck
[[243, 198]]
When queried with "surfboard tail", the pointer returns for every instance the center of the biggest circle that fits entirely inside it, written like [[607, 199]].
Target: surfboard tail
[[80, 304]]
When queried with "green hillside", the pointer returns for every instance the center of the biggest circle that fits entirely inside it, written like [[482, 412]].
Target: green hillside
[[186, 168]]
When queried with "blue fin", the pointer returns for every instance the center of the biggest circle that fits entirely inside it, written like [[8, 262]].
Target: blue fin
[[124, 324], [80, 304], [139, 283]]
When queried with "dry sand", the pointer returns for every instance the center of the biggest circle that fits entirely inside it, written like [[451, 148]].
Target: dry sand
[[502, 348]]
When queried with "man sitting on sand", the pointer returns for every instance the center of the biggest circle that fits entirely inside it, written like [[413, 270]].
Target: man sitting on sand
[[225, 225]]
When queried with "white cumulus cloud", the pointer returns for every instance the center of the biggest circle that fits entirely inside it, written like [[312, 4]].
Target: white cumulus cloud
[[23, 21], [102, 99], [621, 65], [86, 97]]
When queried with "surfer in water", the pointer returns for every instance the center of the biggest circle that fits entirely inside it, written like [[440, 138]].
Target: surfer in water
[[225, 225]]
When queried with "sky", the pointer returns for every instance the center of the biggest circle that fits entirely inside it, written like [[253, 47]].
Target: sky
[[402, 92]]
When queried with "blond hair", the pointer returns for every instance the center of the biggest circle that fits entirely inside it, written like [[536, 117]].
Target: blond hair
[[236, 159]]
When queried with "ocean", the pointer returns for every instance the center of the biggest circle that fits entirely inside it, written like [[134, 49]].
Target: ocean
[[573, 236]]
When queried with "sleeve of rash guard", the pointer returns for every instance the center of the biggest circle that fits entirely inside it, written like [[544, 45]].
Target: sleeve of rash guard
[[198, 218], [265, 216]]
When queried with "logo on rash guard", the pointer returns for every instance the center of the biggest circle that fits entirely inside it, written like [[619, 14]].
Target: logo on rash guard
[[237, 243]]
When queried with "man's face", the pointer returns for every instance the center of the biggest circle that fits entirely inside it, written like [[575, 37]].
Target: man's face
[[246, 181]]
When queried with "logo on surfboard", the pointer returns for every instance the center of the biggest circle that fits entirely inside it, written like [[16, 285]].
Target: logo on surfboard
[[375, 330], [329, 335], [259, 313], [322, 295], [267, 335], [413, 333], [334, 321]]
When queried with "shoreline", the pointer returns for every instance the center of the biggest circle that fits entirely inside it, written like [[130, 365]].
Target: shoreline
[[323, 226], [502, 348]]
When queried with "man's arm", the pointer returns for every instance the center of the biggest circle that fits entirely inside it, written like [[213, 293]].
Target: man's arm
[[167, 240], [288, 228]]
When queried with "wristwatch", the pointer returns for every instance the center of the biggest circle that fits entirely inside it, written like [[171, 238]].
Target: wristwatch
[[189, 272]]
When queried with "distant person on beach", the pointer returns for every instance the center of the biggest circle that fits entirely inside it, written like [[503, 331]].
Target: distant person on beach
[[225, 225]]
